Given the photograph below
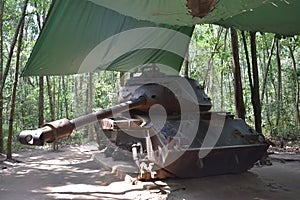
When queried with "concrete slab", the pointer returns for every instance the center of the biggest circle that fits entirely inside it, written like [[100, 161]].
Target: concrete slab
[[120, 168]]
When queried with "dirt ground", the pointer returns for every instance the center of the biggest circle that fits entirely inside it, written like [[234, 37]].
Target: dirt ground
[[71, 173]]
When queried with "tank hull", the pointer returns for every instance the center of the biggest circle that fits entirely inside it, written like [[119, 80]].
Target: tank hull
[[221, 145], [220, 160]]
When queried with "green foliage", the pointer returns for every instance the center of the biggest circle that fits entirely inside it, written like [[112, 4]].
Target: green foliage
[[106, 89], [211, 61]]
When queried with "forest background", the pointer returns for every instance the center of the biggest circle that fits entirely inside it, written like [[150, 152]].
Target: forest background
[[252, 75]]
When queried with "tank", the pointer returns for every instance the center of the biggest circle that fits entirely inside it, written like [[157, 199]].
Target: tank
[[163, 124]]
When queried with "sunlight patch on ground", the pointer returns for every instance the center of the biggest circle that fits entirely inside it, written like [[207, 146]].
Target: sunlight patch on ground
[[116, 190], [58, 168], [63, 162]]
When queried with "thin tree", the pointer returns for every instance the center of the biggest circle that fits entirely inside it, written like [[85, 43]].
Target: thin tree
[[52, 109], [50, 97], [13, 97], [255, 87], [90, 106], [76, 102], [279, 84], [186, 65], [64, 87], [222, 71], [41, 101], [247, 58], [122, 79], [297, 92], [264, 85], [80, 108], [11, 51], [41, 78], [1, 74], [239, 101], [58, 100]]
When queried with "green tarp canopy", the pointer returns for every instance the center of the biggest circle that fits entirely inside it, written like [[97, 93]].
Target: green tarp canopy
[[85, 35]]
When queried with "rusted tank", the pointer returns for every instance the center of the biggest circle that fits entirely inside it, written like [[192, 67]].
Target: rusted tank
[[164, 125]]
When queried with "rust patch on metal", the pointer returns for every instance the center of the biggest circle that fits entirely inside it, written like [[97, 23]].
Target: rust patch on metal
[[200, 8]]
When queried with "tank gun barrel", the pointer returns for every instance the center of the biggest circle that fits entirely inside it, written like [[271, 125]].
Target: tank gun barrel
[[55, 130]]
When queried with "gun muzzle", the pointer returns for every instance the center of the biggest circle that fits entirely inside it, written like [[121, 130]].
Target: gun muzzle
[[50, 132]]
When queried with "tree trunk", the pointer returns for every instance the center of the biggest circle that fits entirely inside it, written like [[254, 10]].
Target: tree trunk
[[1, 74], [255, 88], [52, 109], [65, 97], [41, 79], [13, 98], [81, 109], [51, 102], [239, 102], [279, 85], [186, 65], [222, 72], [297, 92], [90, 106], [54, 94], [76, 96], [6, 70], [122, 79], [41, 101], [267, 70], [59, 98], [268, 115], [247, 60]]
